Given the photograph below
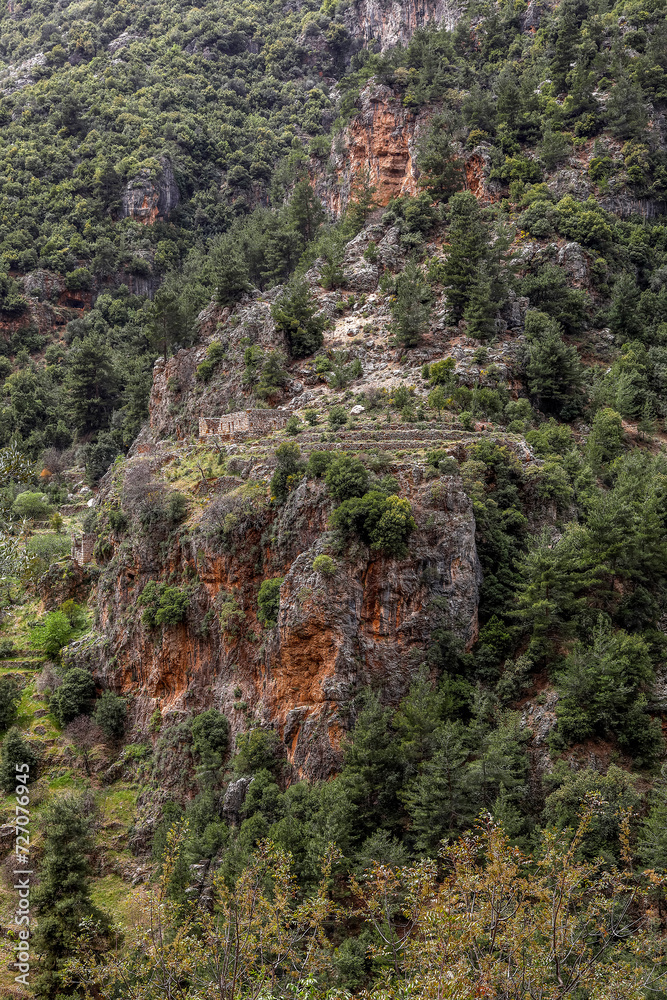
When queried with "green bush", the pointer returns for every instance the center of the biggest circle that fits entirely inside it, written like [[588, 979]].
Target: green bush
[[33, 506], [74, 696], [53, 634], [111, 714], [268, 601], [293, 425], [16, 750], [602, 693], [337, 416], [346, 477], [381, 521], [210, 738], [10, 696], [324, 565], [177, 507], [442, 372], [289, 471], [310, 417], [163, 605], [467, 420], [318, 463], [256, 751]]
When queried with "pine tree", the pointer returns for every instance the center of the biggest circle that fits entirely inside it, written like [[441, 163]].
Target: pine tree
[[232, 278], [553, 370], [411, 306], [305, 210], [437, 802], [91, 385], [469, 244], [480, 312], [15, 750], [442, 171], [362, 199], [62, 899], [295, 315]]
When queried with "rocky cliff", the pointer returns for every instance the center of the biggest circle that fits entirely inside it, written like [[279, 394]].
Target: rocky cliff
[[390, 24]]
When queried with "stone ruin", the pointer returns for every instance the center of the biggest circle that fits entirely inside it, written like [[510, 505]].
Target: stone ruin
[[83, 548], [243, 421]]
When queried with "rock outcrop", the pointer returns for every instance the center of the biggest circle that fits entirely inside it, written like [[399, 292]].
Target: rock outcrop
[[394, 23], [151, 195], [369, 623]]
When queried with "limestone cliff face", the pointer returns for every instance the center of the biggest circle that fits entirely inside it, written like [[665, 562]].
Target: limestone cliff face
[[394, 23], [369, 623], [381, 143], [147, 198]]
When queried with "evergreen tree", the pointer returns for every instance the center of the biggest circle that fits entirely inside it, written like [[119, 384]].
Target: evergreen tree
[[305, 210], [553, 369], [442, 171], [468, 248], [295, 315], [569, 21], [91, 384], [411, 306], [437, 801], [62, 899], [232, 276], [480, 312], [15, 750], [362, 199], [10, 696], [652, 845], [605, 442]]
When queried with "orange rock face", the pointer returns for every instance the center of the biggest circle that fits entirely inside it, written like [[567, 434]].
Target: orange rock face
[[378, 143], [368, 624]]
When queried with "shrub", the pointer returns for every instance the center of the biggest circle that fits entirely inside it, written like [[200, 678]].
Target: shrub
[[53, 634], [466, 418], [16, 750], [268, 601], [318, 463], [10, 696], [324, 565], [346, 477], [177, 507], [47, 549], [337, 416], [33, 506], [311, 417], [74, 696], [118, 521], [293, 425], [442, 372], [381, 521], [210, 738], [256, 751], [163, 605], [288, 472], [111, 714], [215, 353]]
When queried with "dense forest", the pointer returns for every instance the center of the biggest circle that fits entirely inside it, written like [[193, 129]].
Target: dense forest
[[333, 500]]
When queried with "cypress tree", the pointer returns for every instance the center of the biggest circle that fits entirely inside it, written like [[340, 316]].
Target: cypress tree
[[62, 899]]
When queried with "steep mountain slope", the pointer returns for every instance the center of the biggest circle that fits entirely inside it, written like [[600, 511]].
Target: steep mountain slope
[[335, 347]]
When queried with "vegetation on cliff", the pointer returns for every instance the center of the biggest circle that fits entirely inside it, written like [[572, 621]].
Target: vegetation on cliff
[[367, 696]]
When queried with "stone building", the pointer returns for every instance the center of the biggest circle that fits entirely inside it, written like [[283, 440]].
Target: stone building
[[242, 422], [82, 548]]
